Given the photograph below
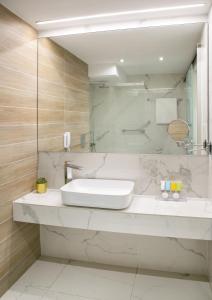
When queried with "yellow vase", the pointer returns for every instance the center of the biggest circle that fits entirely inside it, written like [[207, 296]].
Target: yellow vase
[[41, 187]]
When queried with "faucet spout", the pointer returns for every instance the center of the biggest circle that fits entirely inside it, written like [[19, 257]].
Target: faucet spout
[[68, 166]]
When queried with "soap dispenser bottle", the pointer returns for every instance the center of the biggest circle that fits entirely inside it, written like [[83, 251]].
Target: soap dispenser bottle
[[178, 189], [163, 188]]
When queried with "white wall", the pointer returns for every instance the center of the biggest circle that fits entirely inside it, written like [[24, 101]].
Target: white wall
[[202, 87], [210, 75], [210, 135]]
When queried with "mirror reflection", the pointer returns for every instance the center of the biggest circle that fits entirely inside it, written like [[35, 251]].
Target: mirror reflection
[[131, 91], [178, 130]]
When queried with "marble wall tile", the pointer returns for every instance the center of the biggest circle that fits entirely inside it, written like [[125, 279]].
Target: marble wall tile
[[200, 180], [145, 170], [185, 168], [145, 252], [168, 254], [130, 108]]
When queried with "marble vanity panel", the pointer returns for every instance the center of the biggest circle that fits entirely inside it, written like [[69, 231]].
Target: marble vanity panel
[[145, 252], [160, 253], [145, 170], [146, 215]]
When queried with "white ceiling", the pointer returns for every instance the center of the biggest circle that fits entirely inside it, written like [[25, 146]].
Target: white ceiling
[[140, 47], [34, 10]]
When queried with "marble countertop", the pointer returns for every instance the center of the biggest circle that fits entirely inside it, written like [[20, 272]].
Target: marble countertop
[[147, 215], [147, 205]]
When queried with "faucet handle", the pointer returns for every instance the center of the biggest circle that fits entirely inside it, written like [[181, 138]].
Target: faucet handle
[[70, 165]]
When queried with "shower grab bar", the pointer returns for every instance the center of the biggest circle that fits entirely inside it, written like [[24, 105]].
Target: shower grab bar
[[133, 130]]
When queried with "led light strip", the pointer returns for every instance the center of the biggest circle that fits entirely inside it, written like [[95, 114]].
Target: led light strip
[[121, 26], [122, 13]]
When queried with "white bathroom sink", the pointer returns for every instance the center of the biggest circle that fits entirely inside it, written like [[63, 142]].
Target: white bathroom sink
[[100, 193]]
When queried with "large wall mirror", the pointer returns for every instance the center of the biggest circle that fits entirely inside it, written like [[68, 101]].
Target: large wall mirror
[[135, 91]]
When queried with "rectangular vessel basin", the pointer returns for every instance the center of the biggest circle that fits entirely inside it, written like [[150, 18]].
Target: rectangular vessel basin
[[100, 193]]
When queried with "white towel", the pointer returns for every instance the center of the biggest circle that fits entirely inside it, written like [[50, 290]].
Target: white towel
[[166, 110]]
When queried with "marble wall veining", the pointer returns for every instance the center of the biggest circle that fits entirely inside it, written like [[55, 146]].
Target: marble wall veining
[[63, 106], [144, 252], [116, 109], [145, 170], [167, 254], [19, 242]]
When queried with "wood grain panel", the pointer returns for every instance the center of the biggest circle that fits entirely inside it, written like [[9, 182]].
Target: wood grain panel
[[51, 50], [19, 242], [51, 130], [17, 115], [19, 168], [50, 102], [17, 188], [46, 87], [75, 66], [76, 117], [75, 83], [14, 97], [8, 261], [20, 247], [13, 152], [77, 129], [16, 134], [77, 100], [9, 228], [5, 212], [52, 143], [17, 79], [50, 116], [19, 58], [52, 74], [77, 105], [63, 84]]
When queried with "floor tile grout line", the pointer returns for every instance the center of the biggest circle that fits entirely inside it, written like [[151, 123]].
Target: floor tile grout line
[[133, 286], [47, 289], [57, 277]]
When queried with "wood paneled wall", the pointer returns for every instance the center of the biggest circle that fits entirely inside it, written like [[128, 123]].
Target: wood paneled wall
[[63, 106], [19, 242], [63, 97]]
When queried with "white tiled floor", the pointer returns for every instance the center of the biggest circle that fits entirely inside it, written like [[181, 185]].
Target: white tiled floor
[[54, 281]]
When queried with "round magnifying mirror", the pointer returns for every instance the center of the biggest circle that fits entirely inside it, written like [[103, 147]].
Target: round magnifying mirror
[[178, 130]]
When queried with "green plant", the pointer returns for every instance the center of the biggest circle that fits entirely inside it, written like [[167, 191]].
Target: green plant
[[41, 180]]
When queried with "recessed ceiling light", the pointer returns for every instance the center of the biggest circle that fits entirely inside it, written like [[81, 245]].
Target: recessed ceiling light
[[161, 58], [122, 13], [122, 60]]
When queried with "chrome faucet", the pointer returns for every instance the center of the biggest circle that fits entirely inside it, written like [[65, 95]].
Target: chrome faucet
[[68, 166]]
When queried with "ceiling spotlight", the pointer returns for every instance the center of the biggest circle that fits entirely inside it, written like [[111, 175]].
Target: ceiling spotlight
[[161, 58], [122, 60]]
